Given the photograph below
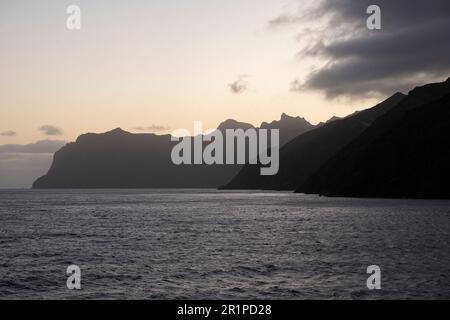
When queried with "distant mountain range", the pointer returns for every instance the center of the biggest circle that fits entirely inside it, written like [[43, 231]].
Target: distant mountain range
[[398, 148], [119, 159]]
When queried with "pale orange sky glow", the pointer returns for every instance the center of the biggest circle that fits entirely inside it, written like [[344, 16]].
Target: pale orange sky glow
[[149, 64]]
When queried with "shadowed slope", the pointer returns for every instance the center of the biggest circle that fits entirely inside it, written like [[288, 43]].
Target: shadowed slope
[[306, 153], [404, 154]]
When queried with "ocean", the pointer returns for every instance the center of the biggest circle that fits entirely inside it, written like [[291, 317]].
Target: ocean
[[208, 244]]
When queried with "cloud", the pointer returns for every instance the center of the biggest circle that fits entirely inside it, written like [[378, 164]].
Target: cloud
[[412, 47], [240, 85], [152, 128], [302, 12], [285, 20], [50, 130], [9, 133], [296, 85], [40, 147]]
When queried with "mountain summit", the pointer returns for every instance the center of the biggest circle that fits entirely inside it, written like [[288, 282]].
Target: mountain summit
[[290, 127]]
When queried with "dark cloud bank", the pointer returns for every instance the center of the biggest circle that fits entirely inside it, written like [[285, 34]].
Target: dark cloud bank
[[413, 46]]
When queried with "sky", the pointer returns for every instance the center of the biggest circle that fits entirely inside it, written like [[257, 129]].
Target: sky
[[138, 64], [160, 65]]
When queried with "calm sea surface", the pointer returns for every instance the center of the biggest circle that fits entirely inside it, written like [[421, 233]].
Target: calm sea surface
[[205, 244]]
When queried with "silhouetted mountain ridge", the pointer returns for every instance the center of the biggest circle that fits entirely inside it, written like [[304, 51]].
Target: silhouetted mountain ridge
[[304, 155], [292, 127], [120, 159], [233, 125], [403, 154]]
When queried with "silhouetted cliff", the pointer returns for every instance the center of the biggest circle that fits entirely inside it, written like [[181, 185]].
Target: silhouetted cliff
[[291, 127], [305, 154], [405, 153], [119, 159]]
